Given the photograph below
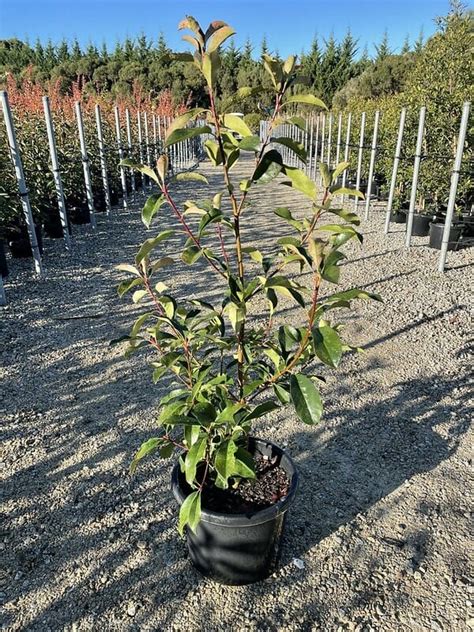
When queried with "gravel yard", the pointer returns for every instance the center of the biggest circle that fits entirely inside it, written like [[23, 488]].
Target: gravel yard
[[378, 538]]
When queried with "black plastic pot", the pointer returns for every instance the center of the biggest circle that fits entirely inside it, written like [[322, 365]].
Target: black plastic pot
[[3, 260], [468, 221], [398, 217], [436, 235], [421, 225], [237, 549], [80, 214], [20, 246], [53, 227]]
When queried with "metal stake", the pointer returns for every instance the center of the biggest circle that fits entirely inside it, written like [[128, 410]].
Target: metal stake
[[416, 173], [20, 176], [346, 151], [103, 161], [339, 133], [396, 160], [373, 153], [123, 177], [56, 172], [359, 158], [454, 184], [85, 165], [130, 148]]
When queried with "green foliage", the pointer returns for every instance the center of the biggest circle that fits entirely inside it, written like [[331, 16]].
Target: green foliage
[[226, 369]]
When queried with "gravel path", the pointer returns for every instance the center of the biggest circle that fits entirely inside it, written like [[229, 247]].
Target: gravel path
[[382, 515]]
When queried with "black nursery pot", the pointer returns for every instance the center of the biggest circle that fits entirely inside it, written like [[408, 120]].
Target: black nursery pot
[[398, 217], [421, 225], [436, 235], [80, 214], [3, 260], [20, 246], [237, 549]]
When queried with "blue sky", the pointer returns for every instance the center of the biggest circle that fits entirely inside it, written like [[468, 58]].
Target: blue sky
[[288, 24]]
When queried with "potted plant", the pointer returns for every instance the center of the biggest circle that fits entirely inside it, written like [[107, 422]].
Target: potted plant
[[456, 230], [227, 369], [398, 214]]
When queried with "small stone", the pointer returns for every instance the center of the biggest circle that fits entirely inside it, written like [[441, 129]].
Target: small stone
[[417, 575], [436, 626], [131, 610], [298, 563]]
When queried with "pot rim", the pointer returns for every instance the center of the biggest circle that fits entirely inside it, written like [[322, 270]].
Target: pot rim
[[252, 518]]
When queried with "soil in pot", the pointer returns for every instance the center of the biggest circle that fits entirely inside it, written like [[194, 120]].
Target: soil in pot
[[436, 235], [242, 548], [421, 224], [3, 260], [20, 246]]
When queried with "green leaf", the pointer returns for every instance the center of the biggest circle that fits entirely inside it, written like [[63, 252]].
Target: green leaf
[[219, 38], [148, 171], [325, 174], [341, 167], [307, 99], [236, 314], [269, 167], [297, 148], [191, 254], [225, 460], [301, 182], [149, 244], [210, 67], [327, 345], [126, 267], [298, 121], [190, 512], [244, 464], [152, 205], [282, 394], [146, 448], [249, 143], [253, 253], [348, 295], [125, 286], [188, 176], [181, 121], [346, 215], [193, 457], [237, 124], [346, 191], [306, 399], [183, 134], [138, 295], [260, 410]]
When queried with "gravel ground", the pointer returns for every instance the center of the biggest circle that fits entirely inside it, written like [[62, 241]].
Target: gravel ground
[[378, 539]]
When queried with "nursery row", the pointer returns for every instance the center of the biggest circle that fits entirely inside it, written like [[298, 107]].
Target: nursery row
[[398, 166]]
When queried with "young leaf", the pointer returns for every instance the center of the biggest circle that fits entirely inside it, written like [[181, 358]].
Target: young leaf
[[191, 254], [297, 148], [149, 244], [244, 464], [190, 176], [327, 345], [225, 460], [300, 181], [237, 124], [145, 449], [193, 457], [190, 512], [182, 120], [183, 134], [219, 38], [306, 399], [307, 99], [152, 205]]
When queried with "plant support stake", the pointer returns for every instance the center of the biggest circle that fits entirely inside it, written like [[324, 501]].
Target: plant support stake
[[416, 173], [346, 152], [373, 153], [20, 176], [396, 160], [454, 184], [103, 161], [56, 172], [85, 164], [130, 147], [123, 177], [359, 158]]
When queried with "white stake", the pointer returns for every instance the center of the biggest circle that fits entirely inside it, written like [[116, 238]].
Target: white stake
[[130, 147], [396, 160], [316, 147], [20, 176], [338, 142], [373, 153], [123, 177], [329, 140], [359, 158], [103, 160], [140, 143], [322, 137], [454, 185], [147, 143], [85, 164], [416, 173], [346, 152], [56, 172], [155, 139]]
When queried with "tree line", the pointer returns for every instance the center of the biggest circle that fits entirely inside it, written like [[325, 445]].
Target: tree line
[[329, 66]]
